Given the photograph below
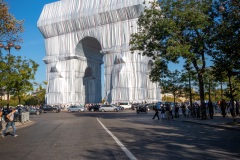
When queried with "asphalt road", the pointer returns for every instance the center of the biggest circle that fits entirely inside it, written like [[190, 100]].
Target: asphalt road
[[117, 135]]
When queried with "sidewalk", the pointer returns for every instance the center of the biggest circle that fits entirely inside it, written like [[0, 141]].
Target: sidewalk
[[217, 121]]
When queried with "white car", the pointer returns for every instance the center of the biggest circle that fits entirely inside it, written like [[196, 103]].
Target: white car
[[76, 109], [106, 108]]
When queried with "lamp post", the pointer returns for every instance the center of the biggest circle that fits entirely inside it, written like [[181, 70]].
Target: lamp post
[[8, 48]]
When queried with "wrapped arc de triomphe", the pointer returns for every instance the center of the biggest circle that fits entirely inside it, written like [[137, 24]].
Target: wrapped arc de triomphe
[[80, 36]]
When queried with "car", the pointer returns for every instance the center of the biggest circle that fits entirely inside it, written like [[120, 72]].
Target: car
[[76, 109], [134, 106], [106, 108], [142, 108], [35, 111], [47, 108], [119, 107], [94, 108]]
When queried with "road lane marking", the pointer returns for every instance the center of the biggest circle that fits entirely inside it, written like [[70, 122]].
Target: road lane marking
[[128, 153]]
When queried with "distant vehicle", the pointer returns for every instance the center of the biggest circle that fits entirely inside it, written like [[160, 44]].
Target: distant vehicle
[[135, 105], [35, 111], [48, 108], [76, 109], [126, 105], [119, 107], [94, 108], [106, 108], [142, 108]]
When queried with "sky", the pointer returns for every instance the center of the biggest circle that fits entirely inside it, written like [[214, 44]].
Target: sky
[[33, 42]]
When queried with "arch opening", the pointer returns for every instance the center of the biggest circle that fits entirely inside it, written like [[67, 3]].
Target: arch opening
[[89, 49]]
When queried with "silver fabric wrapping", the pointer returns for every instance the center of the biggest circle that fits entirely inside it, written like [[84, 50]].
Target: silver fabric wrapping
[[81, 35]]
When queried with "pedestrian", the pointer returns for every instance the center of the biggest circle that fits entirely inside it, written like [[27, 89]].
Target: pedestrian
[[167, 111], [162, 112], [10, 122], [183, 109], [156, 113], [197, 109], [210, 109], [176, 111], [171, 112], [223, 106]]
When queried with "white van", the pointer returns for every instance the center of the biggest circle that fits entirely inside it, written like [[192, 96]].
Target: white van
[[126, 105]]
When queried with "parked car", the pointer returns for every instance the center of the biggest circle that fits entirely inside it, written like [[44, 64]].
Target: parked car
[[76, 109], [119, 107], [35, 111], [94, 108], [106, 108], [47, 108]]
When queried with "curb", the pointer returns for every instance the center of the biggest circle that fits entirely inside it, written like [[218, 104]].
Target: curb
[[212, 125]]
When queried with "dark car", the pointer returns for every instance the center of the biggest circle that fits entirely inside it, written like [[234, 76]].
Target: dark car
[[142, 108], [94, 108], [48, 108], [35, 111]]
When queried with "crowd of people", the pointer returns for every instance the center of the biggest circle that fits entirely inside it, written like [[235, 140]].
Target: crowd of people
[[168, 111]]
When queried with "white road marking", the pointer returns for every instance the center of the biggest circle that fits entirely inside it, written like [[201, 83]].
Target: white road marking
[[128, 153]]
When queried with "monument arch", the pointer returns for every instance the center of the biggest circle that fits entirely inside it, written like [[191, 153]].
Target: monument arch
[[81, 35]]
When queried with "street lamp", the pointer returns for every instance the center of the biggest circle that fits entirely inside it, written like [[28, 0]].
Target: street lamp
[[8, 48]]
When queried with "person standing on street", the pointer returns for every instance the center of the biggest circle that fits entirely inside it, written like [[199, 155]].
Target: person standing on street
[[210, 108], [223, 106], [10, 122], [156, 113]]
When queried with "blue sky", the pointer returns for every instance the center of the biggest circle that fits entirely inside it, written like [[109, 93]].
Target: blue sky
[[33, 42]]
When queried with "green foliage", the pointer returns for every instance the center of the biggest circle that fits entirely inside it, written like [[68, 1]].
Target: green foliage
[[226, 63], [180, 29], [16, 75], [9, 26]]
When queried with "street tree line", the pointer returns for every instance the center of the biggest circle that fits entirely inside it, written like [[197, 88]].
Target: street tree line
[[17, 73], [192, 31]]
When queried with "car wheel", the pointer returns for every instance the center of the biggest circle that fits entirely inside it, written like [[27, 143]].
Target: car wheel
[[103, 110], [79, 110], [37, 113], [92, 110], [69, 110]]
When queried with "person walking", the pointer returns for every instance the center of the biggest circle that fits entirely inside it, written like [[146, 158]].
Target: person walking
[[223, 106], [210, 109], [10, 122], [183, 109], [176, 111], [162, 112], [156, 113], [167, 111]]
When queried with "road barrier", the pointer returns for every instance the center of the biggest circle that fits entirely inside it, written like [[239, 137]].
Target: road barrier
[[24, 117]]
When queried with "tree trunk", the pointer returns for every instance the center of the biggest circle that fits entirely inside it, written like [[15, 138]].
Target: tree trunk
[[201, 92], [19, 100], [232, 100]]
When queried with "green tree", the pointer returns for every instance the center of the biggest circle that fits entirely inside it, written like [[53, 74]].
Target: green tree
[[226, 63], [172, 84], [9, 26], [17, 75], [24, 73], [180, 29]]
